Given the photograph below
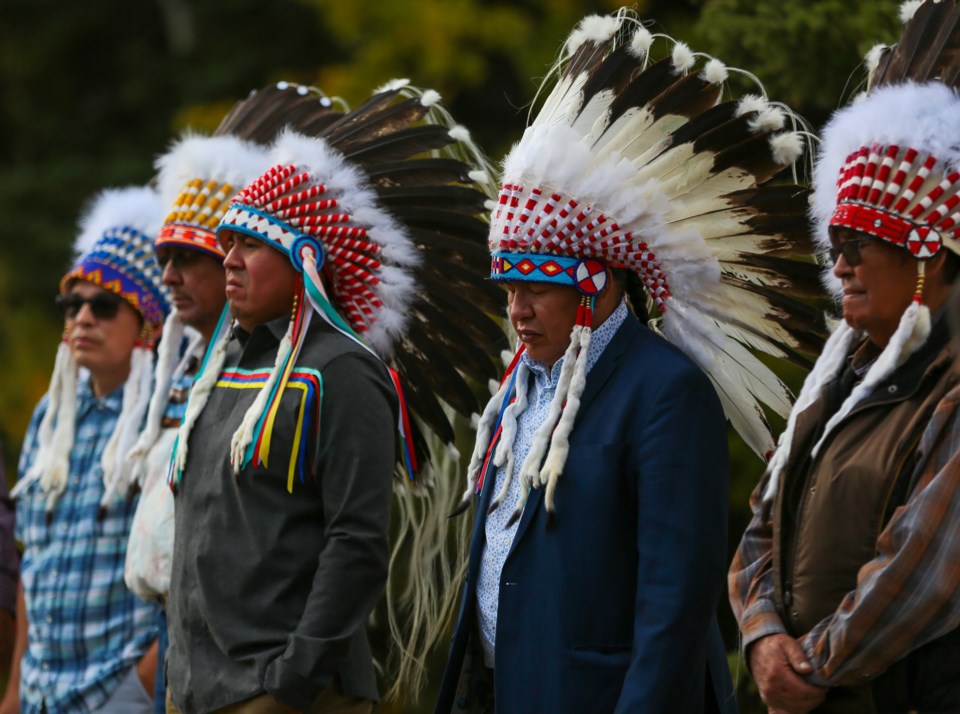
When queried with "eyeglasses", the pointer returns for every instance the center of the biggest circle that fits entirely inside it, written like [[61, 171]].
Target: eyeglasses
[[180, 258], [850, 250], [104, 306]]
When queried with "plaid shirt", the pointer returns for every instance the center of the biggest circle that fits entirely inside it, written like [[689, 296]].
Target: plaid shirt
[[908, 595], [85, 628]]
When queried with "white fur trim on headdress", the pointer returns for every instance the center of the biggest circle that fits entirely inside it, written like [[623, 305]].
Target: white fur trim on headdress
[[137, 207], [168, 359], [203, 386], [224, 159]]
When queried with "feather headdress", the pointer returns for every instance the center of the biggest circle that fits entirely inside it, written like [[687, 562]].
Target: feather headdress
[[196, 180], [114, 251], [640, 165], [889, 167]]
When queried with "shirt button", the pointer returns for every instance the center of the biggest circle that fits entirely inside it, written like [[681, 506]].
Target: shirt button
[[49, 619], [813, 489], [45, 665], [892, 389], [55, 573]]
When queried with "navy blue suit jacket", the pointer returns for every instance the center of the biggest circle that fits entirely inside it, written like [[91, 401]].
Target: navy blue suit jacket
[[611, 606]]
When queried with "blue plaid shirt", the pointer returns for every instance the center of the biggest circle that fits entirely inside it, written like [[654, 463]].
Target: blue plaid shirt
[[85, 628]]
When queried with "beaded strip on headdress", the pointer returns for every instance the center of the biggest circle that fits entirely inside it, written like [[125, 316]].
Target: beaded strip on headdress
[[907, 207]]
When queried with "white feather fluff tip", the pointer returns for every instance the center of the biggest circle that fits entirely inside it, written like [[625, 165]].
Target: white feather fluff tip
[[641, 43], [398, 83], [909, 9], [751, 103], [460, 133], [715, 72], [682, 57], [786, 148], [872, 58], [593, 28], [768, 119], [430, 97]]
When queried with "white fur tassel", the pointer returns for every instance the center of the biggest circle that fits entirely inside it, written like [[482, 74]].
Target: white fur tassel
[[206, 380], [504, 455], [827, 367], [168, 355], [530, 471], [560, 442], [872, 58], [430, 97], [484, 428], [117, 479]]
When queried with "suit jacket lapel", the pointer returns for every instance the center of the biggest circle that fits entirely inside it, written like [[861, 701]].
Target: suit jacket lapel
[[597, 377]]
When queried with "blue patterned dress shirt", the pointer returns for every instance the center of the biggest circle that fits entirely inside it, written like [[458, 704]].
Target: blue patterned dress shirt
[[85, 628], [499, 536]]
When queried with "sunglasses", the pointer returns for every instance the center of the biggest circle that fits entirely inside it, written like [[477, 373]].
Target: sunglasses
[[850, 250], [104, 306], [180, 258]]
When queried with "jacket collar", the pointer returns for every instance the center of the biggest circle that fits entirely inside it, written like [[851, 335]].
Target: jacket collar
[[596, 379]]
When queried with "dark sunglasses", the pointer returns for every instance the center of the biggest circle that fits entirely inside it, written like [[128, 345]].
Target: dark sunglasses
[[850, 250], [180, 258], [104, 306]]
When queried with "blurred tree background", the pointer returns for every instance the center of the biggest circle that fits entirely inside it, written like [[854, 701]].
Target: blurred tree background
[[92, 92]]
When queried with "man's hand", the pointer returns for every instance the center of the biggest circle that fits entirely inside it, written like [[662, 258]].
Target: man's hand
[[777, 663], [147, 668]]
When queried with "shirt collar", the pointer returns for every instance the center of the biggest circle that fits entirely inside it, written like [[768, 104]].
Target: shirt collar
[[266, 332], [598, 343], [86, 399]]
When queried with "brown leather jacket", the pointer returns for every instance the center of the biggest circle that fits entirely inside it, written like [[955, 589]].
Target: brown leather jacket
[[832, 507]]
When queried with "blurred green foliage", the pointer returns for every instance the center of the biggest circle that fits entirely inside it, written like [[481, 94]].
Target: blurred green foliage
[[91, 92]]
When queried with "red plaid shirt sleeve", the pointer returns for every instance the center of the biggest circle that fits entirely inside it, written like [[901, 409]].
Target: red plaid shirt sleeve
[[750, 581]]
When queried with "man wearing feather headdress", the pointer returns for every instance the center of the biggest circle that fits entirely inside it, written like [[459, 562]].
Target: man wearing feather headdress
[[600, 469], [846, 584], [196, 179], [284, 462], [86, 643]]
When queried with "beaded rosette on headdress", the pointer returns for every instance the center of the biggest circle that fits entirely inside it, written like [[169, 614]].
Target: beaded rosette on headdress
[[640, 165], [889, 167], [114, 251]]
